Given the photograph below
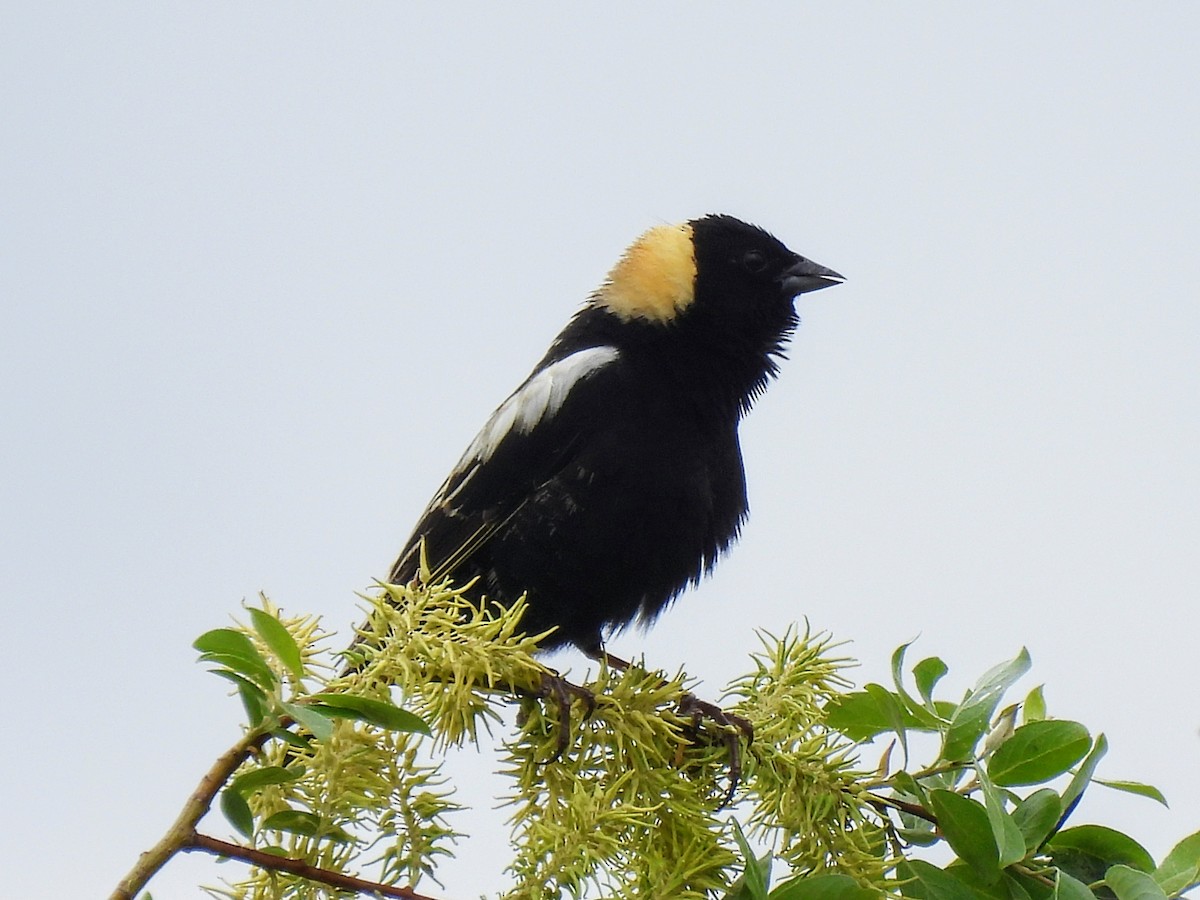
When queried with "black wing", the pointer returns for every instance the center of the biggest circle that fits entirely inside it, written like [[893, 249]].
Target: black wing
[[526, 443]]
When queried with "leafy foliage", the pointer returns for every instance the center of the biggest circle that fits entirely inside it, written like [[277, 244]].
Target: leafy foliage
[[1008, 843], [342, 778], [347, 780]]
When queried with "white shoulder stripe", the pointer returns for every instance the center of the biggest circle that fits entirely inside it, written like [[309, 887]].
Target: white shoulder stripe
[[541, 396]]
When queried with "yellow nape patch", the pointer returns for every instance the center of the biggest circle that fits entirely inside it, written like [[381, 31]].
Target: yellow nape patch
[[656, 277]]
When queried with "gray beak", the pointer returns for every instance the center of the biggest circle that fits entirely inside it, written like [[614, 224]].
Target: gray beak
[[804, 275]]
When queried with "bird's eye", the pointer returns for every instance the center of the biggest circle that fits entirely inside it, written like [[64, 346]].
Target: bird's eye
[[754, 261]]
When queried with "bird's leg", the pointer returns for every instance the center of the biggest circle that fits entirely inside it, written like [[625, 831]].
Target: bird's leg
[[613, 662], [733, 726], [563, 693], [698, 710]]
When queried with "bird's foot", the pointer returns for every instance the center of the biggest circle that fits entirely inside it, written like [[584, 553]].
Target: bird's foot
[[734, 727], [564, 694]]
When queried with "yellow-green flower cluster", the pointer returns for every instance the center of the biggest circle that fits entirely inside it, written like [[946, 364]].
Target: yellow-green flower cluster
[[801, 779], [631, 809]]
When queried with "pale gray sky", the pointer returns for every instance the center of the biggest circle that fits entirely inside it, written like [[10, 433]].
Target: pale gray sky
[[266, 268]]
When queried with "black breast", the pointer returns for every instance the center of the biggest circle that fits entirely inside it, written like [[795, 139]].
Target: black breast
[[642, 507]]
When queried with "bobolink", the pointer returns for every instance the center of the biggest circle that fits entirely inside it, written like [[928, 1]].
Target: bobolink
[[612, 477]]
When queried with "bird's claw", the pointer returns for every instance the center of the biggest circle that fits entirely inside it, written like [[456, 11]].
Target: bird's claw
[[734, 727], [563, 693]]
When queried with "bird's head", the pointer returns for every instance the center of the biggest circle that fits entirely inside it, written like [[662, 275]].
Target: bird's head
[[714, 261], [715, 284]]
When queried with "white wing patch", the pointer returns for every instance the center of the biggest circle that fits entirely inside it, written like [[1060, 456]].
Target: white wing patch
[[541, 396]]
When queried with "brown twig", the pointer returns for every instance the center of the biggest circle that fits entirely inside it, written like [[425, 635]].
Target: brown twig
[[205, 844], [182, 836], [882, 803], [183, 828]]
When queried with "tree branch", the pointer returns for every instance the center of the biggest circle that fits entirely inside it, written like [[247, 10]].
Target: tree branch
[[884, 803], [205, 844], [181, 832]]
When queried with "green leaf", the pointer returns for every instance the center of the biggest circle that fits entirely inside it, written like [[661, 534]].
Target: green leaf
[[280, 640], [253, 699], [297, 821], [1135, 787], [823, 887], [1130, 884], [299, 741], [255, 669], [1066, 887], [971, 719], [922, 879], [1181, 868], [293, 821], [254, 702], [1005, 831], [1034, 706], [904, 783], [891, 708], [1023, 887], [856, 715], [1083, 775], [237, 811], [925, 716], [257, 778], [914, 830], [381, 713], [859, 717], [1113, 846], [1002, 889], [920, 834], [927, 673], [964, 824], [234, 650], [1036, 817], [227, 641], [316, 722], [756, 873], [1039, 751], [1087, 852]]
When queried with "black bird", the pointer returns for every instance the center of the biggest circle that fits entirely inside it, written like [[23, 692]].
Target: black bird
[[612, 477]]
